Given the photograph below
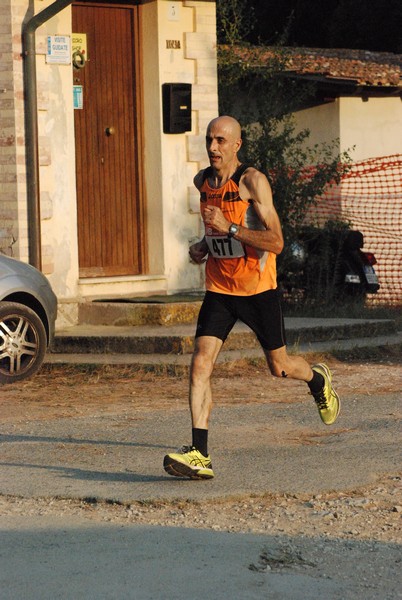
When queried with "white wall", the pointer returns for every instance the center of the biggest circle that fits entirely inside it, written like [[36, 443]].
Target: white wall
[[372, 128], [57, 162], [196, 64], [322, 122]]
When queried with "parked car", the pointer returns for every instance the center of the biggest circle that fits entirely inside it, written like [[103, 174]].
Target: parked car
[[28, 309]]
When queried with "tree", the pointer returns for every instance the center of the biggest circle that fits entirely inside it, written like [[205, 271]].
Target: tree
[[253, 89], [368, 25], [364, 24]]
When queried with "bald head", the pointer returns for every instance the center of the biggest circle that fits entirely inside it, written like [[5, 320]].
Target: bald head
[[228, 124]]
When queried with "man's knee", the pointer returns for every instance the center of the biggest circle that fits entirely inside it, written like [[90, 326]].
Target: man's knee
[[202, 365]]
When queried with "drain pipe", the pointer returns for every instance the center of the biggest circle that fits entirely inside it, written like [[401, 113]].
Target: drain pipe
[[31, 127]]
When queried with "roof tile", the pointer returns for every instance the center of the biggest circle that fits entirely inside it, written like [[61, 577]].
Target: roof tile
[[362, 66]]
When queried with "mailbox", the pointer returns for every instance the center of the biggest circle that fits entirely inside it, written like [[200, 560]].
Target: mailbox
[[176, 99]]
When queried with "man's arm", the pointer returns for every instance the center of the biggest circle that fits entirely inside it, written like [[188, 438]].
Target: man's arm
[[198, 252], [255, 186]]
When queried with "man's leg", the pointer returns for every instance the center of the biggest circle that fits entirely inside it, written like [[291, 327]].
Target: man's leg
[[205, 353], [193, 461], [318, 377]]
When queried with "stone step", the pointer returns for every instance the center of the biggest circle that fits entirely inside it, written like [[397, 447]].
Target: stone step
[[178, 339], [179, 363], [156, 310]]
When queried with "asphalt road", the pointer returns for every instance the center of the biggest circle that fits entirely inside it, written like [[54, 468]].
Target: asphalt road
[[69, 559], [255, 448]]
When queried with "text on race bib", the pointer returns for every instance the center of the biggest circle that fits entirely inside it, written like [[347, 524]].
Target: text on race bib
[[224, 247]]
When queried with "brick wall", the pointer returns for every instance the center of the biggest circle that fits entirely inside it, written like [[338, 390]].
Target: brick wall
[[13, 184], [11, 135]]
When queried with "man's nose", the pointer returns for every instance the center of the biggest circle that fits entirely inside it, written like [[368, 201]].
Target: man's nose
[[213, 144]]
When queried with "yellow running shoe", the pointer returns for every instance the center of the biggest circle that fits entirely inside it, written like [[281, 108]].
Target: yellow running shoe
[[327, 399], [188, 462]]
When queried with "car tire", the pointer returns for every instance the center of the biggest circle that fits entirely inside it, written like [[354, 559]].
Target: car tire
[[23, 342]]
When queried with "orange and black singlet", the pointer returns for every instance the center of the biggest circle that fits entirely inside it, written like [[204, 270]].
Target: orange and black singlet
[[233, 267]]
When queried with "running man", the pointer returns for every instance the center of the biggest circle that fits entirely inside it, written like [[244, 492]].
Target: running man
[[243, 236]]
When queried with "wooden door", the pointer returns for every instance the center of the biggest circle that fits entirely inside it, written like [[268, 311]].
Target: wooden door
[[111, 238]]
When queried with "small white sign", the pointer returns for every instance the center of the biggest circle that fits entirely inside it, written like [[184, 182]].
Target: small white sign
[[58, 49], [78, 97]]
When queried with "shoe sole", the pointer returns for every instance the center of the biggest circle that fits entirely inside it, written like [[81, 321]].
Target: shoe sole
[[179, 469]]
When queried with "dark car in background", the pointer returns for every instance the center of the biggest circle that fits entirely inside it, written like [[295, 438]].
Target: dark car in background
[[28, 310]]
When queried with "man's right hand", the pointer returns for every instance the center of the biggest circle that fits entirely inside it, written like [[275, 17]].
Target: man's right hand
[[198, 252]]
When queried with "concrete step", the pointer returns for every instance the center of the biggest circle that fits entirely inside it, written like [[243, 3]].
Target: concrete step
[[156, 310], [179, 363], [178, 339]]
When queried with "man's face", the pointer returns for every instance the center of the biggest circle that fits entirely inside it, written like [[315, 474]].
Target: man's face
[[221, 143]]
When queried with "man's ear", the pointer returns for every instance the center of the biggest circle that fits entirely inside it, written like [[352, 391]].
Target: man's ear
[[239, 143]]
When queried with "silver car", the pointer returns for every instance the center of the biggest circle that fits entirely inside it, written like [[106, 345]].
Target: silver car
[[28, 309]]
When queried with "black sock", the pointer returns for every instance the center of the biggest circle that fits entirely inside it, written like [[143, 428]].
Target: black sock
[[317, 383], [200, 440]]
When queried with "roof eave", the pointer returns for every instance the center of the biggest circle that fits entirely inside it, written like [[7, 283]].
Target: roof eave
[[344, 86]]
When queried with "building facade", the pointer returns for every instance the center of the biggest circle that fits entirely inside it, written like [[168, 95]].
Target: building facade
[[116, 156]]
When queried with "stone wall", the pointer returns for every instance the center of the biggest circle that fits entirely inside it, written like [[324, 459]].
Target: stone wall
[[13, 217]]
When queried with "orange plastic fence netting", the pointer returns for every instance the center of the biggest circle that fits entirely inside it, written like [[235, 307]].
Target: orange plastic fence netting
[[369, 197]]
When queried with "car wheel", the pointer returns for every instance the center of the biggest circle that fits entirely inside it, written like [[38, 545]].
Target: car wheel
[[23, 342]]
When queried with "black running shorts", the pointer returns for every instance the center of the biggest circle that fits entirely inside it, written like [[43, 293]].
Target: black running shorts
[[261, 312]]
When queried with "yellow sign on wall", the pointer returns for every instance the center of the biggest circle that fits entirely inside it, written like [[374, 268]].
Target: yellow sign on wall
[[79, 43]]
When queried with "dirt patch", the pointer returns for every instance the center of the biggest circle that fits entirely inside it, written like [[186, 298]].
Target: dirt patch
[[78, 391]]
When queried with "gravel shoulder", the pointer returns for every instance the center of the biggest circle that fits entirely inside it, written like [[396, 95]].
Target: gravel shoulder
[[369, 513]]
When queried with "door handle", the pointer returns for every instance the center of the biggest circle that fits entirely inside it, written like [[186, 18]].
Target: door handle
[[110, 131]]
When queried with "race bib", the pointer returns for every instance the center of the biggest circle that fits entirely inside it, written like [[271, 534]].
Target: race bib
[[221, 246]]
